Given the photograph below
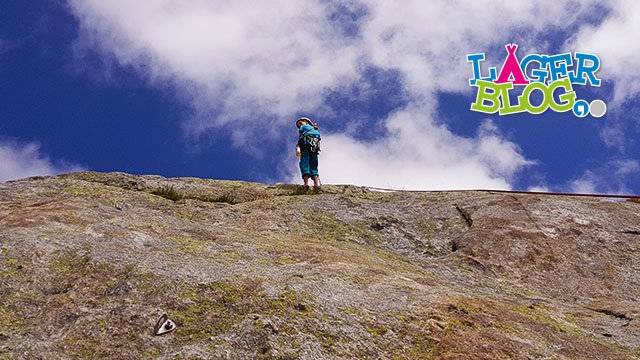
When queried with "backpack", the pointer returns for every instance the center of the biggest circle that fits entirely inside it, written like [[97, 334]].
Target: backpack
[[309, 143]]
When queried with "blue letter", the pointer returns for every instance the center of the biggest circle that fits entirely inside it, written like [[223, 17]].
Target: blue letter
[[558, 65], [475, 60], [586, 64], [539, 74]]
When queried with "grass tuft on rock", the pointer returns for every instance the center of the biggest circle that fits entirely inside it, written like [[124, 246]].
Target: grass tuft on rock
[[167, 192], [225, 198]]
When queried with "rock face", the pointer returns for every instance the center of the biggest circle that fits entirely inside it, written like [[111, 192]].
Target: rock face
[[90, 261]]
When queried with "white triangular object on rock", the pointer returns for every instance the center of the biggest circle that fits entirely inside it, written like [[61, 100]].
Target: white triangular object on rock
[[164, 325]]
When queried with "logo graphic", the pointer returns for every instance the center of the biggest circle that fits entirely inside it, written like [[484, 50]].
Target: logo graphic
[[547, 82]]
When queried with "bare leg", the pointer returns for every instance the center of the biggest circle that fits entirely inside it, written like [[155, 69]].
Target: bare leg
[[306, 180], [316, 182]]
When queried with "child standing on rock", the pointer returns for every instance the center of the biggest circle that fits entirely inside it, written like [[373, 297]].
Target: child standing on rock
[[307, 150]]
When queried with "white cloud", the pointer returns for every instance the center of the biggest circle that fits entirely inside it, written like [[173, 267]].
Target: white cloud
[[254, 64], [586, 184], [616, 42], [610, 178], [428, 40], [626, 167], [539, 188], [241, 58], [23, 160], [614, 135]]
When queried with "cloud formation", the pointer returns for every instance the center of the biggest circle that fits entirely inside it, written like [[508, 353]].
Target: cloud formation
[[254, 64], [24, 160], [240, 58], [615, 41], [600, 179]]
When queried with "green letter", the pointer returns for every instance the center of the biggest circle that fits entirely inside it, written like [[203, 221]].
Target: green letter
[[488, 92], [507, 109], [526, 94], [567, 99]]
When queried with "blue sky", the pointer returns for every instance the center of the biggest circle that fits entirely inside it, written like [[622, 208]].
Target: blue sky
[[83, 89]]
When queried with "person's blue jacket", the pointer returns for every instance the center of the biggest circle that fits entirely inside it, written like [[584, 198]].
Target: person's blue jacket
[[307, 129]]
